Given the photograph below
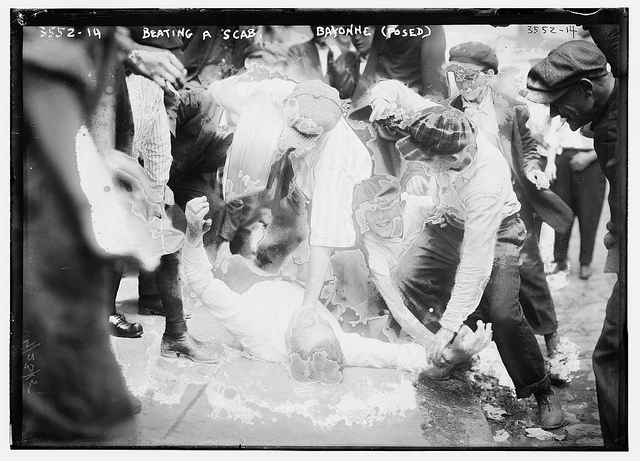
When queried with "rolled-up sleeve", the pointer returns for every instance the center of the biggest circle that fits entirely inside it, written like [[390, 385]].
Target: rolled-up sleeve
[[483, 217]]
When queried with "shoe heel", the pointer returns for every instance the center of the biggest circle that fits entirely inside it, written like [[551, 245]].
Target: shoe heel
[[168, 353]]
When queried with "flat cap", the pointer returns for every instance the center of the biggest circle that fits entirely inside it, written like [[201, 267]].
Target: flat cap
[[440, 130], [475, 53], [552, 77]]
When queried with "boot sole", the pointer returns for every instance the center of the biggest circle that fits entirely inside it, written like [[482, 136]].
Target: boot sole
[[558, 426], [175, 354]]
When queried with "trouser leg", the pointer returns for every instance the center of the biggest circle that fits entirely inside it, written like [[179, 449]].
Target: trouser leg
[[563, 188], [514, 337], [425, 275], [535, 295], [168, 280], [590, 186], [610, 363]]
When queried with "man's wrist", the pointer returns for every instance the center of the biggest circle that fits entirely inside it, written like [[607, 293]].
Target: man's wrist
[[193, 240]]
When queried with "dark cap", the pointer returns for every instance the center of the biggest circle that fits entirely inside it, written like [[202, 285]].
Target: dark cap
[[552, 77], [475, 53], [440, 130]]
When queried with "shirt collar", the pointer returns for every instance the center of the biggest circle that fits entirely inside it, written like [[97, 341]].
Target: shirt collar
[[484, 106]]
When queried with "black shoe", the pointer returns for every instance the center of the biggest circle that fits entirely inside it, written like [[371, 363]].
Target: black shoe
[[550, 411], [188, 347], [150, 305], [559, 266], [120, 327]]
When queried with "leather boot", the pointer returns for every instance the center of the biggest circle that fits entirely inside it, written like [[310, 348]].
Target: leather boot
[[188, 347], [550, 411], [118, 326]]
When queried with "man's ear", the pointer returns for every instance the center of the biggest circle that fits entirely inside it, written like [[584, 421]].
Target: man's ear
[[586, 86]]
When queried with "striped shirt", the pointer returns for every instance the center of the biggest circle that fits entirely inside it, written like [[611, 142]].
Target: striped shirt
[[152, 138]]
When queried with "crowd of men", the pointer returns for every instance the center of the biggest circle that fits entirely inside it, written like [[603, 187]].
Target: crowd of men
[[174, 149]]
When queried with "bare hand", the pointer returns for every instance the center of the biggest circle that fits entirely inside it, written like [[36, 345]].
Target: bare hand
[[538, 178], [440, 341], [195, 212], [161, 66], [471, 342], [381, 109], [580, 161], [417, 185]]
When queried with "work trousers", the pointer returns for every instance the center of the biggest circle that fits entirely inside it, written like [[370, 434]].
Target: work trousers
[[610, 362], [584, 192], [425, 277]]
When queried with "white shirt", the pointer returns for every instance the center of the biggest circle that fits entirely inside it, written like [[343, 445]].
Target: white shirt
[[483, 115], [259, 318]]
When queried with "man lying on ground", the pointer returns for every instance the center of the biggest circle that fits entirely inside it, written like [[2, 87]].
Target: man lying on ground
[[269, 324]]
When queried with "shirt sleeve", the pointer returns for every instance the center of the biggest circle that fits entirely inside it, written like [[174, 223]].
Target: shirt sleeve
[[224, 304], [400, 94], [370, 352], [530, 156], [152, 140], [483, 217]]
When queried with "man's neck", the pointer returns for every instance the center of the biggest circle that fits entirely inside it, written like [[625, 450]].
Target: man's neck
[[603, 91]]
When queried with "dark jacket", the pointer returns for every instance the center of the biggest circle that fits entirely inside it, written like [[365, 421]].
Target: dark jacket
[[607, 145], [521, 154], [342, 74], [198, 143]]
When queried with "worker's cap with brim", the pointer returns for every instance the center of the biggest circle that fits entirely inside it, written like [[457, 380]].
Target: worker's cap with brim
[[440, 130], [552, 77], [473, 53]]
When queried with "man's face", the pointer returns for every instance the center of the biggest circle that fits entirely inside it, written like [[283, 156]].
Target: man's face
[[455, 162], [310, 329], [362, 42], [576, 106], [386, 220], [470, 80]]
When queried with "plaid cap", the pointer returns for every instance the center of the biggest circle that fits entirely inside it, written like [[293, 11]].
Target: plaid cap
[[475, 53], [552, 77], [440, 130]]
